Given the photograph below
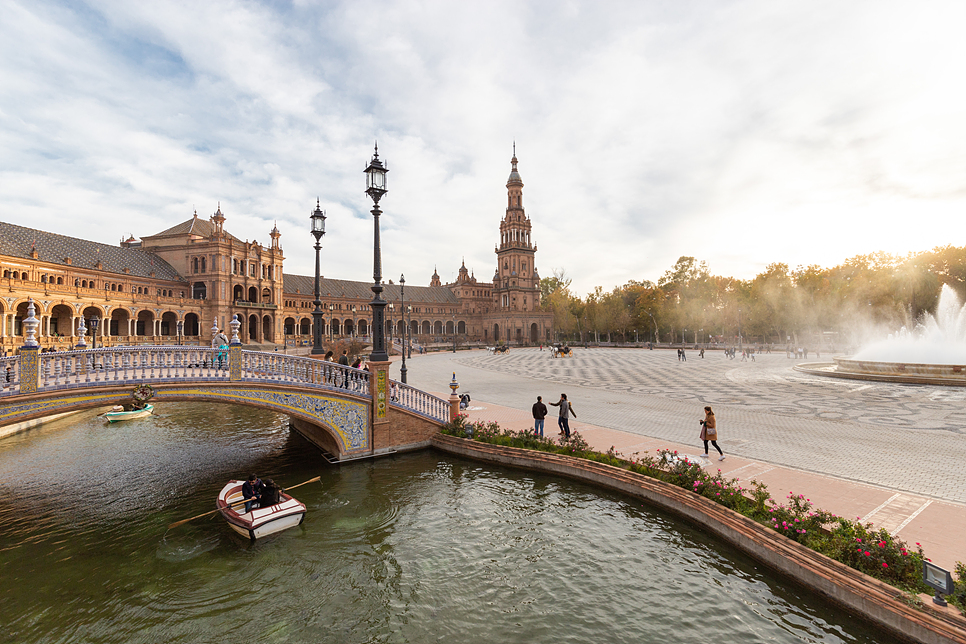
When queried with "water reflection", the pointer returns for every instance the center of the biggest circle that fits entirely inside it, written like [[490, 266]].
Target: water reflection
[[412, 548]]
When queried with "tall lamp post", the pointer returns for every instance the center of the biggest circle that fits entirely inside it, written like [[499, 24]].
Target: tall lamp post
[[376, 188], [94, 322], [318, 230], [402, 313], [355, 325], [392, 310], [180, 332]]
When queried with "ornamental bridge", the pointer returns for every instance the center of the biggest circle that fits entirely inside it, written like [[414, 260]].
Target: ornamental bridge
[[349, 413]]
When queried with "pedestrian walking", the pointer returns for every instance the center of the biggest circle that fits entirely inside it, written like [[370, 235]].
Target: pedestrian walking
[[709, 433], [563, 416], [539, 414]]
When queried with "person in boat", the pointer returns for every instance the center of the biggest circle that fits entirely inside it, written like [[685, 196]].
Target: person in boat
[[270, 494], [252, 490]]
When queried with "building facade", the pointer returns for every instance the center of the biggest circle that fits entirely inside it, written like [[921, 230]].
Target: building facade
[[176, 286]]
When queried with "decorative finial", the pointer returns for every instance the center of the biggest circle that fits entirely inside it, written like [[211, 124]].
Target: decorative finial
[[235, 325], [377, 150], [30, 325], [514, 147]]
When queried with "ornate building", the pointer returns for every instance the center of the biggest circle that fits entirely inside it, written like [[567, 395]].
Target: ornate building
[[176, 285]]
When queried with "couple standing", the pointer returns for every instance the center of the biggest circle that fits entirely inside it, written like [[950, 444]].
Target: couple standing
[[563, 416]]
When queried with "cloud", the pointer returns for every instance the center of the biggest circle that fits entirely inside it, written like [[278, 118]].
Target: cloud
[[741, 133]]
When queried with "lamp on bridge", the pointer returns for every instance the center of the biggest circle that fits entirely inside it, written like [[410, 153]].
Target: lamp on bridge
[[376, 188], [95, 321], [318, 230], [402, 313]]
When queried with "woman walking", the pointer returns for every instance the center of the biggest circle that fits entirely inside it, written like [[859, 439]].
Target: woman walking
[[709, 432]]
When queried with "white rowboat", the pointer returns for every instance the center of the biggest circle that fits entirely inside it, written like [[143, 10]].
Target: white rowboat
[[115, 416], [260, 522]]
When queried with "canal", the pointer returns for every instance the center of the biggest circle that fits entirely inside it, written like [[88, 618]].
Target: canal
[[410, 548]]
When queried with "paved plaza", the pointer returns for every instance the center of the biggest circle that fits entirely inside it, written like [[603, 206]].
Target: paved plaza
[[892, 454]]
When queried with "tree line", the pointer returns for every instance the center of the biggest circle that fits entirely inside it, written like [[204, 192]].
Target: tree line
[[805, 305]]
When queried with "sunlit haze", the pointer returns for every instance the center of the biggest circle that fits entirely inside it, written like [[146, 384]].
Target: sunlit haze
[[740, 133]]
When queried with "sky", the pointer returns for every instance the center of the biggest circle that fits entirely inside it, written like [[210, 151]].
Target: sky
[[739, 133]]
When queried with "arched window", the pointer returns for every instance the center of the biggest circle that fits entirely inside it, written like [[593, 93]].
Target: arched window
[[60, 280], [120, 287], [194, 265], [204, 267]]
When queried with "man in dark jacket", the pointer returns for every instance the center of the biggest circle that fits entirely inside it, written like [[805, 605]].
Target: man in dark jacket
[[251, 491], [539, 413]]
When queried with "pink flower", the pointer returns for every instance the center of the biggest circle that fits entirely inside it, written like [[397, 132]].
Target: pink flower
[[885, 565], [866, 553]]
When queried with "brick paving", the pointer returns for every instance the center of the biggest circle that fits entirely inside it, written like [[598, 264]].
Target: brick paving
[[890, 453]]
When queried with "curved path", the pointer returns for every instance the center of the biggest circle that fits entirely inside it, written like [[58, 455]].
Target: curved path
[[907, 438]]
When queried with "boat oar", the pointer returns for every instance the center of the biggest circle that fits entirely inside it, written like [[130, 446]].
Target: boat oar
[[231, 505]]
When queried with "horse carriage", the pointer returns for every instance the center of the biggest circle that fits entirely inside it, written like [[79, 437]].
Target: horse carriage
[[499, 349], [559, 351]]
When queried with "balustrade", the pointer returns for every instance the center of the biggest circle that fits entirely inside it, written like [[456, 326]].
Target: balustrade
[[419, 401], [165, 364]]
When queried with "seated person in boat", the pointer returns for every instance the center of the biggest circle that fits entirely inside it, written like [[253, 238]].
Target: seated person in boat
[[252, 491], [270, 494]]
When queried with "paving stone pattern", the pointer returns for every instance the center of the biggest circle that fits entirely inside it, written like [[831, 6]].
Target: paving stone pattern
[[909, 438]]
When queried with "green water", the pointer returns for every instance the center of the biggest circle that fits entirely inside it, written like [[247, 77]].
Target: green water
[[411, 548]]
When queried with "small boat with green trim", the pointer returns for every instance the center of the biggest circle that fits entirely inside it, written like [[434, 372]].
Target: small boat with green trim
[[118, 413]]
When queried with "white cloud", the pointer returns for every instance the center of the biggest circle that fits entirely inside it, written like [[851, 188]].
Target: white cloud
[[741, 133]]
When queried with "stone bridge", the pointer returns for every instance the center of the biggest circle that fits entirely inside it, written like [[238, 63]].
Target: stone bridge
[[348, 412]]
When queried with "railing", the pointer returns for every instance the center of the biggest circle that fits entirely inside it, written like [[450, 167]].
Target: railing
[[10, 375], [277, 367], [413, 399], [67, 369], [60, 370]]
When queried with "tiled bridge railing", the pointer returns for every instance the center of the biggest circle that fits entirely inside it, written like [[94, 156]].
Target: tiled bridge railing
[[33, 372]]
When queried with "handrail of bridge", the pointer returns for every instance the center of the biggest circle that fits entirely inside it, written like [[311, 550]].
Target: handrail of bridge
[[418, 401], [264, 366], [156, 364], [58, 370], [91, 367], [9, 375]]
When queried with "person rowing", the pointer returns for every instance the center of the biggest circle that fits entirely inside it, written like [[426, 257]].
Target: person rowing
[[252, 491]]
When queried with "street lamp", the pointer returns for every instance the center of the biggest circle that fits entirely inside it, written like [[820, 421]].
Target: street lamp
[[355, 325], [392, 310], [376, 188], [94, 322], [180, 331], [318, 230], [331, 315], [405, 345], [454, 332]]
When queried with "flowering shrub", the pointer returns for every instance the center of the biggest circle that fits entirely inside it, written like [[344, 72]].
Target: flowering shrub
[[874, 552]]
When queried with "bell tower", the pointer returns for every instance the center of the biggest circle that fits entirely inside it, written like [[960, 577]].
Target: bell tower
[[516, 285]]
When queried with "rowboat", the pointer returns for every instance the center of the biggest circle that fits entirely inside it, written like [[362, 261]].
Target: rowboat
[[260, 522], [116, 415]]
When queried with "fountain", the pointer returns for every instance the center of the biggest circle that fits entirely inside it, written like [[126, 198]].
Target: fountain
[[932, 353]]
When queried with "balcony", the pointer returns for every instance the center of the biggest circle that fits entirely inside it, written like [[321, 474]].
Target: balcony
[[256, 305]]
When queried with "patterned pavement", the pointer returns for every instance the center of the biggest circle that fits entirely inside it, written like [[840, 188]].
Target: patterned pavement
[[905, 438]]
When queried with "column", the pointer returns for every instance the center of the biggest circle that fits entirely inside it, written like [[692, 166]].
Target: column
[[130, 321]]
